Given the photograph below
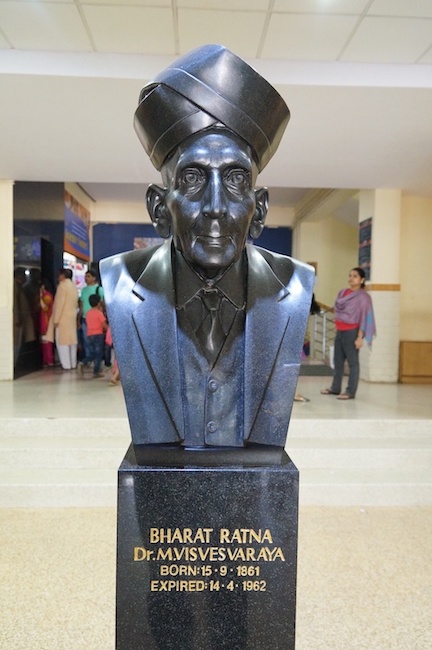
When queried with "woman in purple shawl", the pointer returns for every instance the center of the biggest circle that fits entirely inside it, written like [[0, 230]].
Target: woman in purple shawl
[[354, 320]]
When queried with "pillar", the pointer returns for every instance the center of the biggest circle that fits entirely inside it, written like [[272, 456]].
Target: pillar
[[6, 275], [384, 206]]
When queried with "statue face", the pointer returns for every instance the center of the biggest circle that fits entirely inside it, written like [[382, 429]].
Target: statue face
[[210, 200]]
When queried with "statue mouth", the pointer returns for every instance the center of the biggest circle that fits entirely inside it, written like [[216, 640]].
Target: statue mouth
[[208, 240]]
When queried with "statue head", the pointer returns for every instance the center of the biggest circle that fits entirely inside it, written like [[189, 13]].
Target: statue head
[[210, 123], [208, 202]]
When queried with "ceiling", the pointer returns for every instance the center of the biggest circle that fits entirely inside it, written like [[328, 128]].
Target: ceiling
[[356, 74]]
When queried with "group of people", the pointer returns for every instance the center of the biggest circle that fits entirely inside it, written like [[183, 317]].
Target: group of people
[[76, 323], [353, 310]]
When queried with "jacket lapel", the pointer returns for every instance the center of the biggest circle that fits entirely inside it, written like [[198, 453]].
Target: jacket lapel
[[267, 318], [156, 324]]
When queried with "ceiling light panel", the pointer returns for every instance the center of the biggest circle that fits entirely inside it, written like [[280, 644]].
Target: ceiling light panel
[[135, 3], [238, 5], [389, 40], [131, 29], [307, 37], [411, 9], [239, 31], [43, 26], [321, 6]]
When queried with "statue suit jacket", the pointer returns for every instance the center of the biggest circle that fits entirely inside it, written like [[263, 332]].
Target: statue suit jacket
[[140, 299]]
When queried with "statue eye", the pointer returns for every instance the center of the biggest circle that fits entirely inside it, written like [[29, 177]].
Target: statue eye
[[237, 179], [192, 179]]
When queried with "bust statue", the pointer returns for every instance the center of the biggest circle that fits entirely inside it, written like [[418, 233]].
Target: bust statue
[[207, 328]]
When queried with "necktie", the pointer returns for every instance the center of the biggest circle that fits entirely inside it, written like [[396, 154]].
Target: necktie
[[210, 332]]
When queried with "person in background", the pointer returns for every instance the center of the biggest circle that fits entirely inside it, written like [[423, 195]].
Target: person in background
[[355, 323], [24, 330], [115, 377], [92, 287], [46, 300], [63, 323], [96, 328]]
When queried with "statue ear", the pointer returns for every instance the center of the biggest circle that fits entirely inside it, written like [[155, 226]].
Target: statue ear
[[258, 220], [157, 210]]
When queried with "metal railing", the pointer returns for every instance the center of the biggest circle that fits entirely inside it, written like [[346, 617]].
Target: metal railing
[[323, 335]]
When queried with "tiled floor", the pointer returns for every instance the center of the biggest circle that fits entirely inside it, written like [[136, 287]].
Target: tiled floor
[[365, 575], [364, 579]]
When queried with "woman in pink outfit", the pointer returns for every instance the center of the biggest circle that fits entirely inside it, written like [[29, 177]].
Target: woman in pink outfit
[[46, 307], [355, 323]]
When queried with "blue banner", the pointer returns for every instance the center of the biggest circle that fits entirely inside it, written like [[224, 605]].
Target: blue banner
[[76, 228]]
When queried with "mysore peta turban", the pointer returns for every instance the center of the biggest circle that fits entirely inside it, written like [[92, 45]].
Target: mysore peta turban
[[209, 86]]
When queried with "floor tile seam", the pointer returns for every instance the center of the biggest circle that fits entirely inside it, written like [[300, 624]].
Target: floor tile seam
[[63, 442], [52, 476], [91, 432], [62, 475], [419, 442], [294, 442], [368, 475]]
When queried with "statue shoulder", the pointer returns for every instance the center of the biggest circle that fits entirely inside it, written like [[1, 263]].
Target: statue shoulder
[[120, 272], [132, 263], [285, 267]]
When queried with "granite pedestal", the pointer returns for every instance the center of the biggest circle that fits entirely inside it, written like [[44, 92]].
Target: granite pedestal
[[207, 549]]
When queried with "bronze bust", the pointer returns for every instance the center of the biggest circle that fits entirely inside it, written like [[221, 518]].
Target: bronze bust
[[208, 329]]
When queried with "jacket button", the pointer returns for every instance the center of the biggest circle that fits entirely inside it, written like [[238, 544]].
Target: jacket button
[[213, 385], [211, 426]]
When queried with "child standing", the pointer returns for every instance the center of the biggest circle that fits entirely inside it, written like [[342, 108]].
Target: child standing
[[96, 328]]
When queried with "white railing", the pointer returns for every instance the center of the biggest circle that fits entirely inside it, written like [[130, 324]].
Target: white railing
[[323, 335]]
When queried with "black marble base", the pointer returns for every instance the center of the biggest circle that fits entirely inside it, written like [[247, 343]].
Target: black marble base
[[207, 550]]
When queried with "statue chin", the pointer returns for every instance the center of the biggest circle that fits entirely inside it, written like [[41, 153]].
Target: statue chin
[[212, 256]]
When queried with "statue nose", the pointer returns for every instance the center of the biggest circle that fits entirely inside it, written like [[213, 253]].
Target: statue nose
[[215, 206]]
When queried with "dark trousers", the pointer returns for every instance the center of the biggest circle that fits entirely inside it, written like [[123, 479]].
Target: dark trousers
[[107, 355], [344, 349], [95, 345], [82, 339]]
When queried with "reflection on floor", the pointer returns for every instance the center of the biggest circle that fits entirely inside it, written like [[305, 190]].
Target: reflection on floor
[[53, 393]]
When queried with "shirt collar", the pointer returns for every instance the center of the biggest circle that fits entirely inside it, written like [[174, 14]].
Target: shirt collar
[[188, 283]]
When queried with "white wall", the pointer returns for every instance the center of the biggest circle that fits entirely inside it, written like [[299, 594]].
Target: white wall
[[280, 217], [127, 212], [333, 245]]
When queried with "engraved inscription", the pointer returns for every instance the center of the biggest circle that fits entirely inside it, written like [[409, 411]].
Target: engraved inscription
[[209, 559]]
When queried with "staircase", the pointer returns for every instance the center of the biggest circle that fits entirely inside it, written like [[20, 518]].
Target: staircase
[[363, 462], [61, 462], [55, 462]]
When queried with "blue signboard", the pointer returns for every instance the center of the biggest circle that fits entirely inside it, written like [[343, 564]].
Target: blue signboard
[[76, 228]]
